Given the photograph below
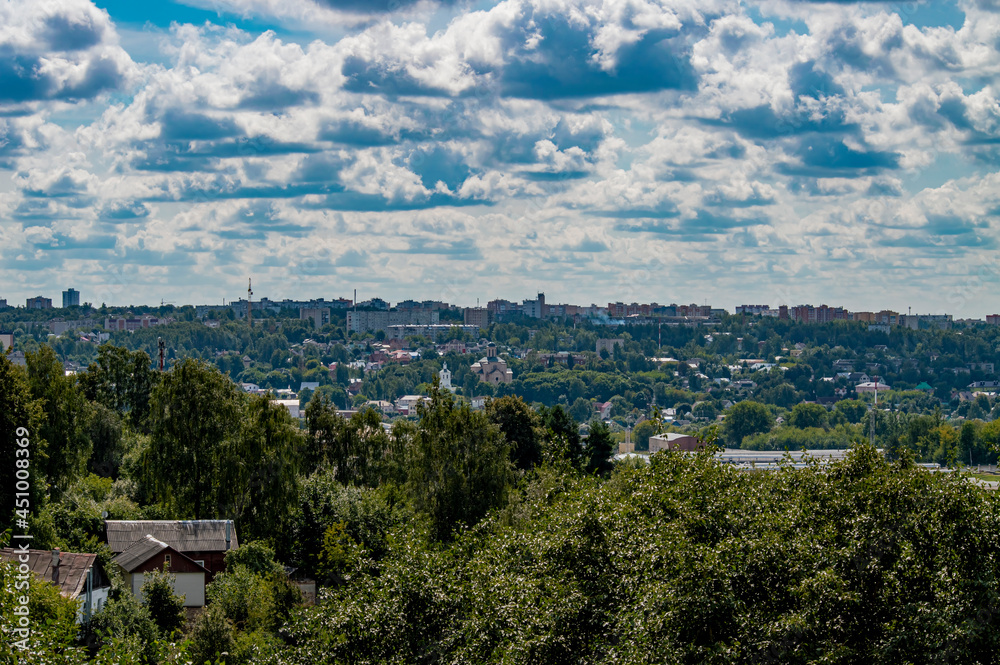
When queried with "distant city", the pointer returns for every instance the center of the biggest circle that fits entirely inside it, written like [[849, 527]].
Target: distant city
[[412, 317]]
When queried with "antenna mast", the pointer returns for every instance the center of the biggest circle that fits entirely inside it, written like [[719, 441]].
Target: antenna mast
[[250, 301]]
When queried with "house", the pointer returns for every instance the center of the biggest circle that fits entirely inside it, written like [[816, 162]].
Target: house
[[673, 441], [291, 404], [77, 575], [204, 541], [603, 410], [407, 404], [385, 407], [150, 554], [870, 387], [925, 387], [309, 385]]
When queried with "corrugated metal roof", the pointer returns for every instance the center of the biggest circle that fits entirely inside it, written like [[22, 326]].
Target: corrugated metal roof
[[143, 550], [73, 568], [182, 535]]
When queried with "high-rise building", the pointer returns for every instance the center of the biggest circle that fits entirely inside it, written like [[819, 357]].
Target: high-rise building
[[38, 302], [71, 298]]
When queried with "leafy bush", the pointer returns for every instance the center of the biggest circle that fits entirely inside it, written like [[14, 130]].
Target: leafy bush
[[165, 608], [211, 636]]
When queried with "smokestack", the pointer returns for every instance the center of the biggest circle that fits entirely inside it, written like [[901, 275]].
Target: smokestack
[[229, 524], [55, 565]]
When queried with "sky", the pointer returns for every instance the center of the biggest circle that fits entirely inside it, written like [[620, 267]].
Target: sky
[[715, 151]]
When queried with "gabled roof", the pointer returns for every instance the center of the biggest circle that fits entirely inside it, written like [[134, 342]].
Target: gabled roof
[[182, 535], [73, 568], [143, 550]]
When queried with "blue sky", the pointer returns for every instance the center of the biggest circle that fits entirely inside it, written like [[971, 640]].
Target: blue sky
[[769, 152]]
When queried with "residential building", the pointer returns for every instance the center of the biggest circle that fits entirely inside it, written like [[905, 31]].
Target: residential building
[[320, 316], [291, 404], [926, 321], [204, 541], [821, 314], [77, 576], [373, 321], [536, 308], [870, 387], [39, 302], [70, 298], [491, 368], [673, 441], [59, 327], [981, 367], [502, 309], [6, 341], [603, 410], [133, 324], [149, 554], [609, 344], [992, 319], [375, 304], [477, 316], [407, 404], [3, 304], [433, 332]]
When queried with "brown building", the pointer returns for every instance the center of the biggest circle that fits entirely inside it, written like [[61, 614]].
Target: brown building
[[149, 554], [204, 541]]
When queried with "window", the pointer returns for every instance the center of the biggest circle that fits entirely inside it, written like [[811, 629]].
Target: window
[[200, 562], [166, 559]]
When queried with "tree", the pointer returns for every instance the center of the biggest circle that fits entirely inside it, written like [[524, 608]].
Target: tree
[[520, 425], [641, 433], [64, 445], [581, 410], [600, 448], [20, 419], [165, 608], [194, 411], [458, 465], [853, 409], [122, 380], [107, 443], [561, 436], [211, 636], [357, 449], [808, 415], [746, 419], [258, 468]]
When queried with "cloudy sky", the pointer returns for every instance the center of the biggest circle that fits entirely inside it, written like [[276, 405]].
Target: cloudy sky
[[670, 150]]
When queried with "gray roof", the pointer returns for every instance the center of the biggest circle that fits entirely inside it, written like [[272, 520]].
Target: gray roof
[[142, 551], [182, 535], [73, 568]]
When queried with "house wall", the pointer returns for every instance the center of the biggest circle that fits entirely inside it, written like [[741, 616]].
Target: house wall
[[189, 585]]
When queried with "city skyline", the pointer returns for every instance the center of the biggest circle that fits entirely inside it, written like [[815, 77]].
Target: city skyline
[[722, 152]]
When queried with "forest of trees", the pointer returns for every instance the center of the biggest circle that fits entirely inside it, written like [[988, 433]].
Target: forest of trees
[[504, 534]]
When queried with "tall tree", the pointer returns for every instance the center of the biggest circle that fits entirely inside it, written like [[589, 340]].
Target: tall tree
[[746, 419], [64, 444], [193, 410], [122, 380], [600, 448], [458, 466], [258, 468], [561, 438], [20, 419], [520, 425]]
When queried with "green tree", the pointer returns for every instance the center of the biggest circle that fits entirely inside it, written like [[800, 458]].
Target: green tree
[[195, 411], [746, 419], [561, 436], [581, 410], [20, 420], [122, 380], [211, 636], [641, 433], [165, 609], [257, 477], [64, 445], [853, 409], [458, 464], [520, 425], [808, 415], [600, 448]]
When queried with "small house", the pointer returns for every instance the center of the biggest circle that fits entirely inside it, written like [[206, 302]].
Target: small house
[[149, 554], [77, 575], [204, 541]]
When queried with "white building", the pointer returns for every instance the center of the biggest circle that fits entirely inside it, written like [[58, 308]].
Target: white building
[[445, 377]]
